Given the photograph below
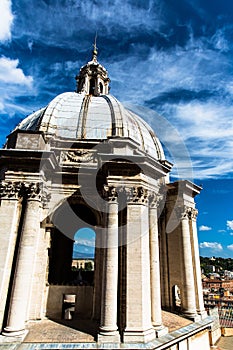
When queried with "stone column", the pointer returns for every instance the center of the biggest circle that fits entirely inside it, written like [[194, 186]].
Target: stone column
[[156, 312], [25, 263], [37, 291], [108, 331], [138, 291], [188, 298], [196, 264], [10, 210]]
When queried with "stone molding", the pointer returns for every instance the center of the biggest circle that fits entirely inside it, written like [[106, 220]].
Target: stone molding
[[185, 212], [77, 156]]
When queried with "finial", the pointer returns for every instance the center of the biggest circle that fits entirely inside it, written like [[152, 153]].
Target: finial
[[95, 50]]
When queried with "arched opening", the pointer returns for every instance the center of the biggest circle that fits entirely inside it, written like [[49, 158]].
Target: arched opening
[[83, 256], [101, 88], [92, 87], [71, 263], [176, 298]]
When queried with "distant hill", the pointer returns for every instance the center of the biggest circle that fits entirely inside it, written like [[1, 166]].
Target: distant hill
[[219, 263], [82, 251]]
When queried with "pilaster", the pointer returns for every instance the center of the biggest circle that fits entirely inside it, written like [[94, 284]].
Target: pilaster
[[156, 312], [10, 211], [138, 293], [188, 297], [196, 264], [108, 331]]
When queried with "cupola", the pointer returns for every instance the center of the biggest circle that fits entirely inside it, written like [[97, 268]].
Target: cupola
[[93, 77]]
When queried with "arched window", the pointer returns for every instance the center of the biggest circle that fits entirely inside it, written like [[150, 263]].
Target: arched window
[[84, 254], [92, 87], [101, 88]]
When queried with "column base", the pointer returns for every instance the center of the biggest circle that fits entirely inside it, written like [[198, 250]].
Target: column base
[[203, 314], [136, 336], [11, 332], [191, 316], [109, 337], [160, 331]]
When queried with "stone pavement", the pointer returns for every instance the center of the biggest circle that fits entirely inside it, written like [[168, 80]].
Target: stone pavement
[[225, 343], [80, 331], [61, 331], [79, 334]]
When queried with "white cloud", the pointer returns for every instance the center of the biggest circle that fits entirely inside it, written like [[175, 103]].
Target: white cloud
[[12, 79], [192, 88], [84, 241], [6, 20], [230, 224], [11, 74], [220, 41], [106, 16], [211, 245], [230, 246], [205, 228]]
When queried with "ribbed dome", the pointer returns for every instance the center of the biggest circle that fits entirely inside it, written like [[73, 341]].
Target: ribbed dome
[[73, 115]]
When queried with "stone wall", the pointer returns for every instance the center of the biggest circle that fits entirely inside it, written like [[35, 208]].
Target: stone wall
[[83, 305]]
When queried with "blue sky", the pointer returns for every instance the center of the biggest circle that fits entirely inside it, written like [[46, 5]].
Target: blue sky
[[174, 57]]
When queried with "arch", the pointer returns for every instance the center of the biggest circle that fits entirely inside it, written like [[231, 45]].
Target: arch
[[92, 87], [68, 219], [176, 298], [83, 256], [101, 88], [74, 222]]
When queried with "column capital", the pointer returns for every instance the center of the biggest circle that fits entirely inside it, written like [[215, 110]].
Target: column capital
[[110, 194], [193, 214], [137, 194], [186, 212], [155, 199], [11, 190], [37, 191]]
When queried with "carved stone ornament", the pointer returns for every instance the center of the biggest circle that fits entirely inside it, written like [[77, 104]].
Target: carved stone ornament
[[38, 191], [193, 214], [77, 156], [185, 212], [11, 190], [155, 200], [137, 195], [110, 193]]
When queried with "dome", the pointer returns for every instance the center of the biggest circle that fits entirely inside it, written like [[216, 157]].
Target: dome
[[91, 113], [76, 116]]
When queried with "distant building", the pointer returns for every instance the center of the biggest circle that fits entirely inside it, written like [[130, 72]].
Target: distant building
[[217, 283], [228, 274], [211, 268], [82, 263]]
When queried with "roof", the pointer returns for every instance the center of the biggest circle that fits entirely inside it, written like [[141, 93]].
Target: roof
[[79, 116]]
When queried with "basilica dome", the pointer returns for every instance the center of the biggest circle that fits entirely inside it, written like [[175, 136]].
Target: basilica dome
[[91, 113]]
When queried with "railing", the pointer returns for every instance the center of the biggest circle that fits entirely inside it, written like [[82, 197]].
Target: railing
[[225, 311], [225, 316]]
